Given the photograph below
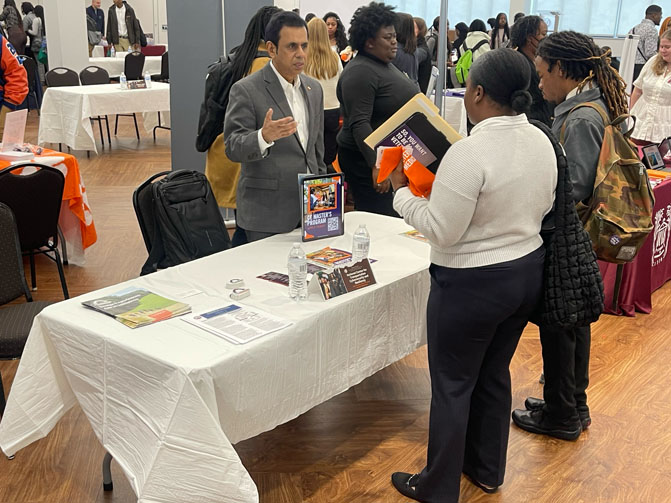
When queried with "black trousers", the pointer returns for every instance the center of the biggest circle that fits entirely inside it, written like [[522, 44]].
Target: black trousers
[[475, 318], [637, 70], [358, 175], [566, 368], [331, 128]]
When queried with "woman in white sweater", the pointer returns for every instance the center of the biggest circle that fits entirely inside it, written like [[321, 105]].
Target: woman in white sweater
[[483, 222]]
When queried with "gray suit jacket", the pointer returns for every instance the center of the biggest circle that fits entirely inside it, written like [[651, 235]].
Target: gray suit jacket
[[268, 198]]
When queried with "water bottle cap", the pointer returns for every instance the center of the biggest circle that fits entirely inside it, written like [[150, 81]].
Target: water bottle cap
[[297, 245]]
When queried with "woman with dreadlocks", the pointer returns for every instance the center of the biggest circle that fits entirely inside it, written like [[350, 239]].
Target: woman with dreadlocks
[[572, 70]]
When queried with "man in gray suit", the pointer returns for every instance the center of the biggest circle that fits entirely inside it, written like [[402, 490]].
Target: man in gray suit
[[275, 128]]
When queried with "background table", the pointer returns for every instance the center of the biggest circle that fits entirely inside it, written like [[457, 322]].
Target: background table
[[650, 269], [66, 111], [169, 400], [454, 112], [114, 66], [75, 219]]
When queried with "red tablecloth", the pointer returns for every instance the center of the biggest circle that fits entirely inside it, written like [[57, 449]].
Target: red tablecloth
[[650, 269]]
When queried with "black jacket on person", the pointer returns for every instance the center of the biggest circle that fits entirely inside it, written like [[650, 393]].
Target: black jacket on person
[[424, 64], [132, 25]]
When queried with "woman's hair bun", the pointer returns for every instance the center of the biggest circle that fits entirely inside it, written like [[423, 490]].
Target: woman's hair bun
[[520, 100]]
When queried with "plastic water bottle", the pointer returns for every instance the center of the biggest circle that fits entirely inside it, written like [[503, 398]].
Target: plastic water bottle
[[112, 51], [122, 81], [298, 272], [147, 79], [130, 49], [360, 244]]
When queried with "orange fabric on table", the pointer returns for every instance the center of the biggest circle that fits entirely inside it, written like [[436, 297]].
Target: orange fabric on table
[[74, 192], [420, 178]]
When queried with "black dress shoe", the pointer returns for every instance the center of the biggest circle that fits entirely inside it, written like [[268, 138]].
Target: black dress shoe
[[536, 421], [532, 403], [405, 483], [480, 485]]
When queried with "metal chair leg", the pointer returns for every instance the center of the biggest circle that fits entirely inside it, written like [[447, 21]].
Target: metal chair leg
[[107, 472], [116, 125], [64, 246], [59, 263], [3, 403], [137, 131], [107, 125], [33, 276]]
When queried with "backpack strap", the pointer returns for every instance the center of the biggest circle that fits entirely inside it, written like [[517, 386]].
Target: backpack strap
[[479, 44], [587, 104]]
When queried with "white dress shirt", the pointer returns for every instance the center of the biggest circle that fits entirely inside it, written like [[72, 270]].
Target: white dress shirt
[[298, 110], [121, 21]]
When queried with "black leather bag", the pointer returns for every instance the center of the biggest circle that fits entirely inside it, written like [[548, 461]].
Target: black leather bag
[[572, 285], [187, 221]]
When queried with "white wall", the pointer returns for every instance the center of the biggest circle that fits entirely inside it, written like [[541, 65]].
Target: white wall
[[66, 33]]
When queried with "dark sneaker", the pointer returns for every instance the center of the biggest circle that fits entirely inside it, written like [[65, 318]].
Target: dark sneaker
[[532, 403], [405, 483], [536, 421]]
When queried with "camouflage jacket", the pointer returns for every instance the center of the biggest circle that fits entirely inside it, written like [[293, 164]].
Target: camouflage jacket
[[582, 139]]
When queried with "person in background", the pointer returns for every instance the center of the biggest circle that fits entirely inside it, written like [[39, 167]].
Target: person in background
[[336, 30], [274, 127], [13, 26], [492, 24], [518, 16], [501, 34], [432, 38], [325, 67], [222, 173], [309, 17], [13, 81], [572, 70], [461, 32], [476, 34], [648, 38], [32, 25], [666, 24], [423, 55], [651, 96], [407, 59], [525, 35], [122, 29], [614, 62], [42, 66], [483, 223], [370, 90], [98, 15]]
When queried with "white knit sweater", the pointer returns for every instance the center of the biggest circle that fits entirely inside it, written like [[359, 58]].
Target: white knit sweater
[[490, 195]]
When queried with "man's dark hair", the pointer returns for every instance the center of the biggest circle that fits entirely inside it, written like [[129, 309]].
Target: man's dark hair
[[523, 29], [39, 12], [582, 60], [367, 21], [310, 16], [477, 25], [504, 74], [405, 32], [436, 23], [491, 22], [27, 7], [518, 16], [340, 36], [279, 21], [254, 35], [653, 9]]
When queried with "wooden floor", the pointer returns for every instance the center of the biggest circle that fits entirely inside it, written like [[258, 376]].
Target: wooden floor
[[345, 449]]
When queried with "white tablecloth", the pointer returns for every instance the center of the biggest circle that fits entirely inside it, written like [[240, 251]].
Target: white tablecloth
[[454, 113], [168, 400], [150, 120], [66, 110], [99, 51], [114, 66]]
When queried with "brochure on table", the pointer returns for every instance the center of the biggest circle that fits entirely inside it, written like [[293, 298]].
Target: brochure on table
[[14, 130], [136, 307], [338, 281], [235, 323], [322, 207]]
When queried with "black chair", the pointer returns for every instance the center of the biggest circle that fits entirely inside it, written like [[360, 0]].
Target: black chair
[[143, 204], [164, 76], [133, 64], [91, 76], [36, 200], [31, 71], [15, 320], [61, 77]]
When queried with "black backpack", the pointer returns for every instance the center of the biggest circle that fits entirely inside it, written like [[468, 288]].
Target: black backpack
[[218, 84], [180, 219]]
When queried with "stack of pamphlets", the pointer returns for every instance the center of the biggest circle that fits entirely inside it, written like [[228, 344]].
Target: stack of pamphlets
[[136, 307]]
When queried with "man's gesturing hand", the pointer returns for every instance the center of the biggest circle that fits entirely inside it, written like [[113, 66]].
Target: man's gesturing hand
[[274, 130]]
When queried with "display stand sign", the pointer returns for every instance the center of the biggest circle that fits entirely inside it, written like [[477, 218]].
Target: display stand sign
[[341, 280], [322, 206], [137, 84], [14, 130]]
